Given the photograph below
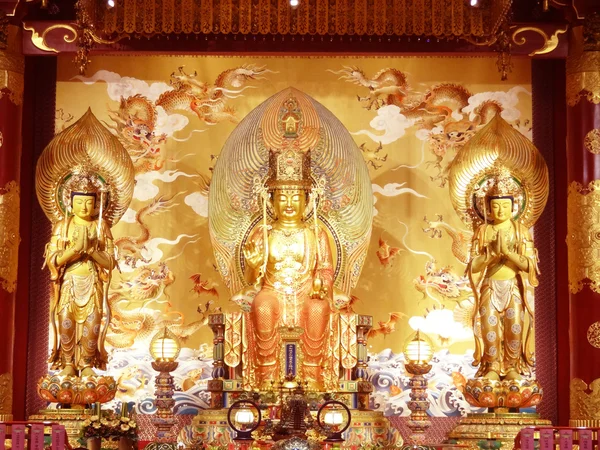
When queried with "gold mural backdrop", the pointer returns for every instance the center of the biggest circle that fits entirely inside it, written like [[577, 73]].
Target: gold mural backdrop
[[410, 116]]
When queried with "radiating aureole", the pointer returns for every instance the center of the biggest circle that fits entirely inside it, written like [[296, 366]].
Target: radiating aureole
[[85, 146], [496, 145], [346, 208]]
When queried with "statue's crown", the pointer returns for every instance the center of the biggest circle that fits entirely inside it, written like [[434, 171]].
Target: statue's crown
[[81, 182], [502, 184], [289, 169]]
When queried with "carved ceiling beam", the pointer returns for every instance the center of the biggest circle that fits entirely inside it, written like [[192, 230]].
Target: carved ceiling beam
[[537, 40], [434, 18]]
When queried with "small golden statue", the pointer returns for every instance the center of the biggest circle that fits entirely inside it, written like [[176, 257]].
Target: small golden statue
[[84, 183], [503, 262]]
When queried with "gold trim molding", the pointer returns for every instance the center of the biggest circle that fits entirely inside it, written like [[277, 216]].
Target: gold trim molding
[[583, 63], [6, 395], [550, 42], [584, 406], [592, 141], [583, 78], [12, 67], [9, 237], [39, 40], [583, 236]]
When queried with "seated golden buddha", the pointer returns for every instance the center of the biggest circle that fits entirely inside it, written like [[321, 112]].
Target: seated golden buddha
[[291, 266], [290, 216]]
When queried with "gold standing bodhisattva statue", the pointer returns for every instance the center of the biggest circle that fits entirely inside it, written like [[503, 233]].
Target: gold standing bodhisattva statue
[[498, 186], [291, 266], [80, 257], [84, 183], [503, 261]]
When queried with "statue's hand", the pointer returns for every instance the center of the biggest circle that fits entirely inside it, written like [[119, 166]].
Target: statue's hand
[[252, 254], [504, 245], [490, 256], [487, 256], [79, 243], [497, 247], [86, 240]]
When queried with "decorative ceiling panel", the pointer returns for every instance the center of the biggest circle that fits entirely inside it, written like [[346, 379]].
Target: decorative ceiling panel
[[438, 18]]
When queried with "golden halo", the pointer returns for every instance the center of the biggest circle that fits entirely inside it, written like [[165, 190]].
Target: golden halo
[[479, 197], [337, 171], [85, 147], [498, 145]]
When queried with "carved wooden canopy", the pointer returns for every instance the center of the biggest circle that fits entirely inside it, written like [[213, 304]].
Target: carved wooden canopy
[[437, 18]]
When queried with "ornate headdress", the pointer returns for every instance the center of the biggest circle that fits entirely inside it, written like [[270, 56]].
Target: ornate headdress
[[501, 184], [289, 169], [83, 182], [289, 164], [85, 158]]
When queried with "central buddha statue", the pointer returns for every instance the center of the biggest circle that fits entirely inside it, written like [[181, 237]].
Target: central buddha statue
[[290, 264], [290, 217]]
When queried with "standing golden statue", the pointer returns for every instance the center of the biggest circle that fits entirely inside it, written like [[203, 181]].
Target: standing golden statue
[[80, 257], [503, 262], [290, 216], [84, 183], [499, 186]]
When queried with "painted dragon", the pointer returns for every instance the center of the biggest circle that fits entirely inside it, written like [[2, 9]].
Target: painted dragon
[[134, 123], [130, 248], [442, 284], [438, 111], [461, 239], [147, 286], [208, 101], [388, 87]]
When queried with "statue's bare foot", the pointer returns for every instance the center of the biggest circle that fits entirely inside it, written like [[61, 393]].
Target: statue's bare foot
[[88, 372], [68, 371], [492, 375], [513, 375]]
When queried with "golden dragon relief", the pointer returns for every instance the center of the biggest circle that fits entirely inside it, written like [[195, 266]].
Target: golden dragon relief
[[583, 236], [584, 401], [6, 394], [9, 235]]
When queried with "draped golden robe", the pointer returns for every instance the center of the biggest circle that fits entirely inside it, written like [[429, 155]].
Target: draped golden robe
[[79, 300], [503, 308], [284, 299]]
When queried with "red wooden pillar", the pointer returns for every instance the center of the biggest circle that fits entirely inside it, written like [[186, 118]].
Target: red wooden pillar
[[11, 96], [583, 221]]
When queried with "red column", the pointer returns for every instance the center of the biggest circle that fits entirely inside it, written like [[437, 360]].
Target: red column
[[583, 221], [11, 95]]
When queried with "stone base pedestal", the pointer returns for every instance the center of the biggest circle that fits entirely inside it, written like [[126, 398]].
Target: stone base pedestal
[[502, 427]]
